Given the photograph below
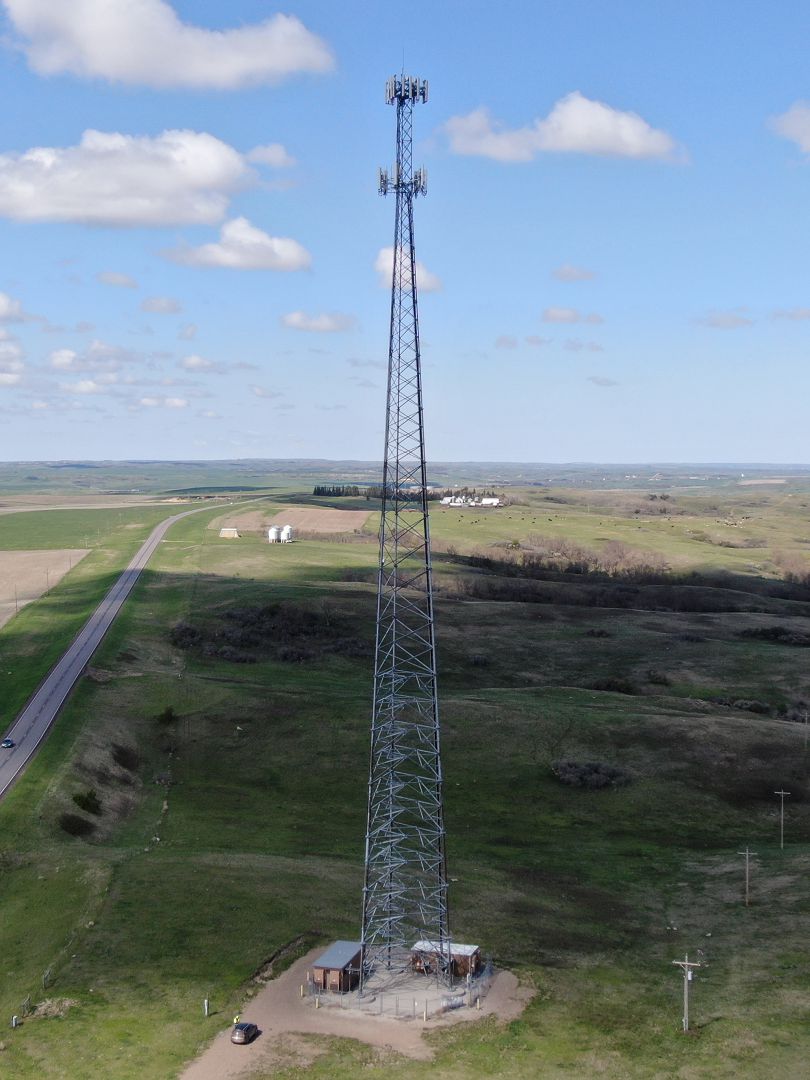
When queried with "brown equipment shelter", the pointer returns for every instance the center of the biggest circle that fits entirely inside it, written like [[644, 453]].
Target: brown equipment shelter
[[338, 969], [464, 959]]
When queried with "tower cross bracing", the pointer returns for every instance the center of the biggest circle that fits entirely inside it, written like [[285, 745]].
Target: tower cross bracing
[[405, 891]]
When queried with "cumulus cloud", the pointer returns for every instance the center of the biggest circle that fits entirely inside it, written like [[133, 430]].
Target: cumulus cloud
[[118, 281], [797, 314], [384, 265], [567, 272], [99, 385], [177, 177], [576, 125], [725, 320], [143, 42], [795, 125], [164, 402], [242, 246], [328, 323], [575, 345], [263, 392], [11, 362], [570, 315], [538, 342], [97, 357], [162, 305], [602, 380], [187, 332], [10, 310], [506, 341], [200, 364], [273, 154]]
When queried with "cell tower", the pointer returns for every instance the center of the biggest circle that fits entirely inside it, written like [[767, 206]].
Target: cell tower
[[405, 892]]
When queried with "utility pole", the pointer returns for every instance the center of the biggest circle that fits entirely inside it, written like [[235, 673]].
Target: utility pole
[[405, 888], [782, 796], [686, 965], [747, 855]]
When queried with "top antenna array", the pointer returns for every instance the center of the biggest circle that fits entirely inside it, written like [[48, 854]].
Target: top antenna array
[[402, 88]]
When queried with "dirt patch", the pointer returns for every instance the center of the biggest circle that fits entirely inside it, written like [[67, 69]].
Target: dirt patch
[[26, 575], [51, 1007], [306, 519], [283, 1017]]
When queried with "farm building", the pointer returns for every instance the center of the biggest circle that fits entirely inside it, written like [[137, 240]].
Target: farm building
[[286, 534], [339, 967], [464, 959], [227, 533], [273, 534]]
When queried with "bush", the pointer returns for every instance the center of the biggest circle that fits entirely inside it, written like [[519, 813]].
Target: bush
[[126, 756], [782, 635], [590, 775], [183, 635], [75, 825], [168, 716], [616, 684], [88, 801], [658, 678], [597, 632]]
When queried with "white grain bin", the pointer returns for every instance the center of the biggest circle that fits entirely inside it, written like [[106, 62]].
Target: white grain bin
[[273, 534], [286, 534]]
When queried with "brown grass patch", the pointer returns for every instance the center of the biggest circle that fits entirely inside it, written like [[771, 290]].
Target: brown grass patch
[[30, 574]]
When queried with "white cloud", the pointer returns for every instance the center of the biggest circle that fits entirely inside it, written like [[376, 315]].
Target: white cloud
[[795, 125], [10, 310], [263, 392], [797, 314], [177, 177], [725, 320], [11, 362], [575, 345], [575, 125], [384, 265], [97, 357], [273, 154], [538, 342], [187, 332], [331, 323], [163, 402], [506, 341], [118, 281], [143, 42], [162, 305], [570, 315], [99, 385], [567, 272], [199, 363], [602, 380], [242, 246]]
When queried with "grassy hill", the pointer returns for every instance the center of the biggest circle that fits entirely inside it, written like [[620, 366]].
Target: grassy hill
[[227, 775]]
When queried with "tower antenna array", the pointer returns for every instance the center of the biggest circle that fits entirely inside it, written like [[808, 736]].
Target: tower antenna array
[[405, 892]]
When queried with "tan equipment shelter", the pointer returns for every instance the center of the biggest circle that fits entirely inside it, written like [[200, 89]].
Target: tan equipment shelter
[[338, 968], [464, 959]]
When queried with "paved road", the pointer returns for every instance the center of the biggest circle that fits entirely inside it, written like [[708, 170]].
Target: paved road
[[34, 722]]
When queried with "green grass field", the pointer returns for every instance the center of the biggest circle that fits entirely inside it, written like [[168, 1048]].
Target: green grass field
[[237, 827]]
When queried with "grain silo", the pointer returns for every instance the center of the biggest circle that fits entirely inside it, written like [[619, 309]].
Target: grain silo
[[286, 534], [273, 534]]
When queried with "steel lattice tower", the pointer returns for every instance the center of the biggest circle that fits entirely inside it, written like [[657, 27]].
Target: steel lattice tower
[[405, 893]]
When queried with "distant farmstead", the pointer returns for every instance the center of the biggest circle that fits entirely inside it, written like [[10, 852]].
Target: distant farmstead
[[228, 533]]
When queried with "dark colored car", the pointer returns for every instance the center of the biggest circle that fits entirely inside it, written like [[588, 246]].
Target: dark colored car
[[7, 744], [244, 1032]]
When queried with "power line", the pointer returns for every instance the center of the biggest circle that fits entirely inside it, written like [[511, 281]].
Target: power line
[[782, 796], [687, 966]]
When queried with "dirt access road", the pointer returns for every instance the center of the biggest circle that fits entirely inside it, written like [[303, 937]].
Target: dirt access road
[[283, 1017]]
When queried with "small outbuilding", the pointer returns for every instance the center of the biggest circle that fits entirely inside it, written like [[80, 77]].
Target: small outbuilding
[[227, 533], [338, 968], [464, 959]]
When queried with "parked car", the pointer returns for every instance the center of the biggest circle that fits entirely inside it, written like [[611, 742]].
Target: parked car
[[244, 1032], [7, 744]]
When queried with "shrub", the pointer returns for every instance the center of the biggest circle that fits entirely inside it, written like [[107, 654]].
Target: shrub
[[168, 716], [782, 635], [597, 632], [479, 660], [590, 775], [75, 825], [616, 684], [183, 635], [126, 756], [658, 678], [88, 801]]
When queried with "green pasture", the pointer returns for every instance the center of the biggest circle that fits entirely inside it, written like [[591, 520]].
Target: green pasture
[[235, 826]]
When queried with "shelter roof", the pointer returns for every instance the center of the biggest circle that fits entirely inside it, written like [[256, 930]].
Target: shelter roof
[[338, 955]]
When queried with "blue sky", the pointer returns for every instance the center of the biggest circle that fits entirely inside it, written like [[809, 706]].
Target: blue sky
[[615, 237]]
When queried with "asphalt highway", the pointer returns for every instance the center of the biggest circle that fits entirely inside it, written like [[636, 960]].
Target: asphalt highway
[[34, 722]]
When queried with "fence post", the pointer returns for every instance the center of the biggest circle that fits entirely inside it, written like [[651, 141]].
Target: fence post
[[206, 1007], [424, 1015]]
